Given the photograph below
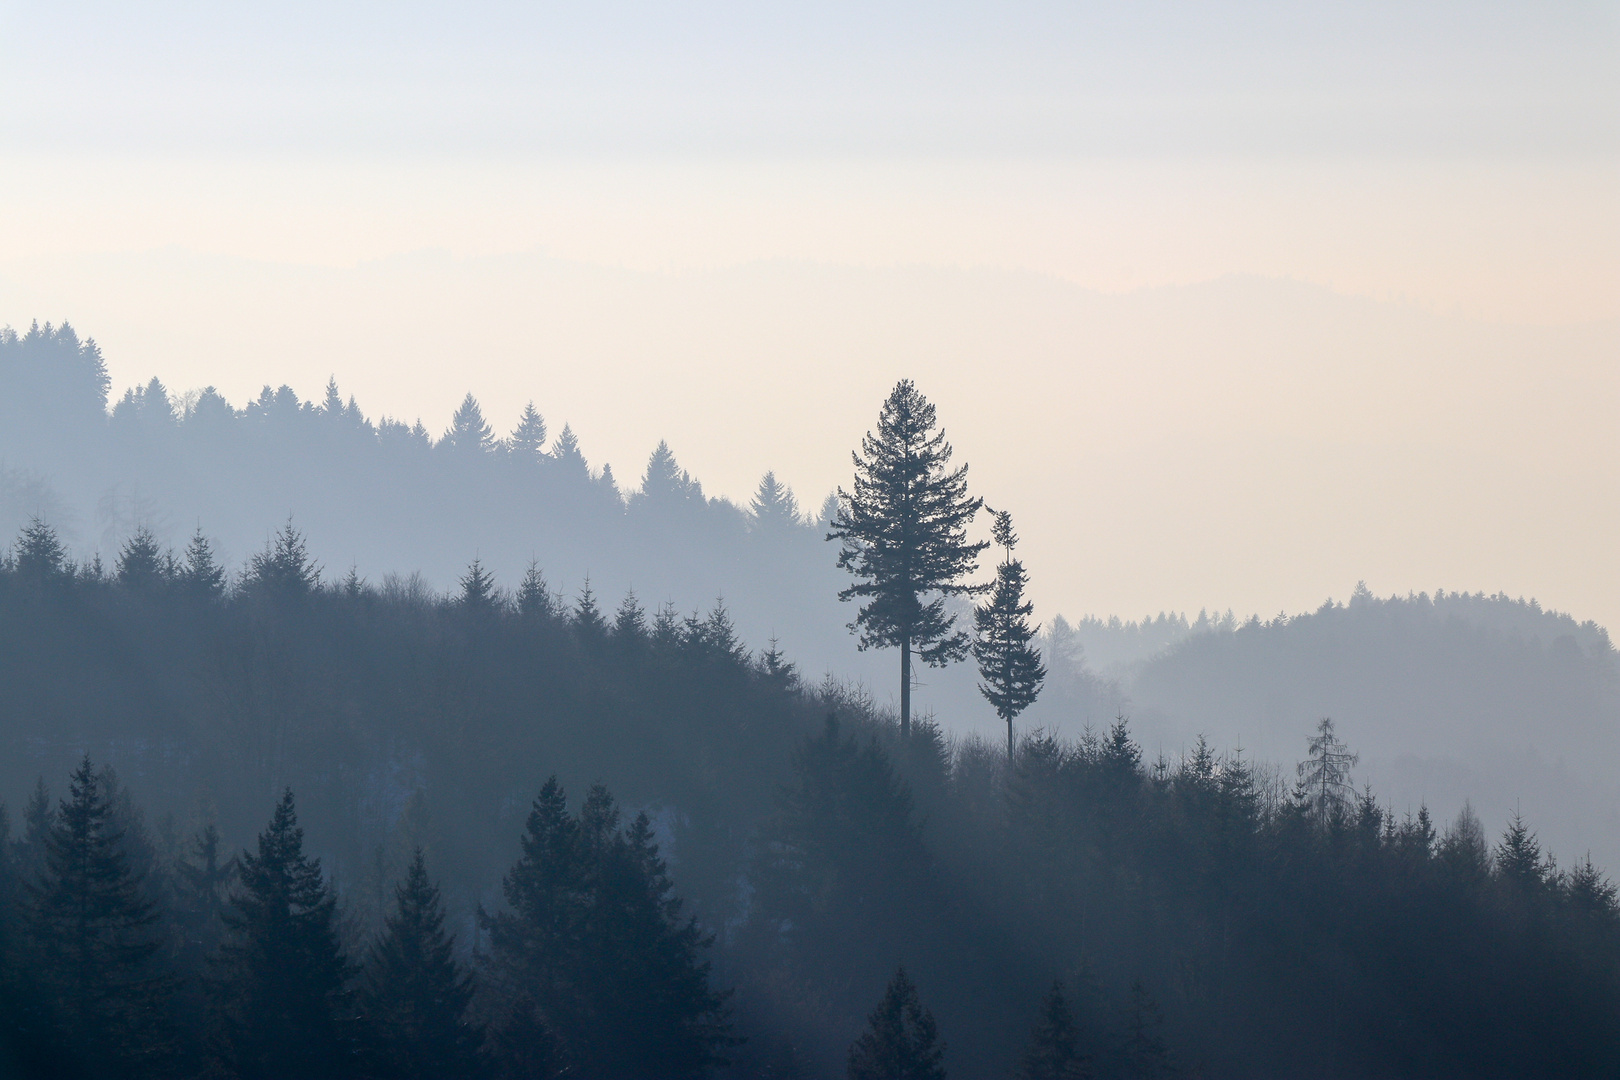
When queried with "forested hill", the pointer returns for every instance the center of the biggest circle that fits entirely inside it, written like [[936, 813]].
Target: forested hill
[[1200, 918], [1447, 697], [384, 495]]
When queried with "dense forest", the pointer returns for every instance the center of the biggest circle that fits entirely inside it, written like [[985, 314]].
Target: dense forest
[[1520, 706], [493, 783], [266, 814]]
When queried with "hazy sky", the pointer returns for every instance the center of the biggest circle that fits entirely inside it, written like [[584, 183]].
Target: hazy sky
[[1231, 304]]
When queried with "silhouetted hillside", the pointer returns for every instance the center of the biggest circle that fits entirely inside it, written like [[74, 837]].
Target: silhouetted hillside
[[1206, 918]]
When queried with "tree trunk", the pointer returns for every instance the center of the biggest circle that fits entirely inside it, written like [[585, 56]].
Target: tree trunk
[[905, 689], [1009, 741]]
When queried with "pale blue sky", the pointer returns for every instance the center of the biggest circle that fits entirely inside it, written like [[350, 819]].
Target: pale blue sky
[[814, 79]]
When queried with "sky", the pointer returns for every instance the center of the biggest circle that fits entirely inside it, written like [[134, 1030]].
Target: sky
[[1231, 304]]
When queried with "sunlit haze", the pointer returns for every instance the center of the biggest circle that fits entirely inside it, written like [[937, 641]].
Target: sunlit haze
[[1234, 305]]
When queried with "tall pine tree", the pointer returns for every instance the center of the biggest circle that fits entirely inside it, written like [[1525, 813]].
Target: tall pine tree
[[528, 439], [1009, 666], [901, 1041], [93, 940], [287, 1009], [904, 534], [415, 994], [593, 951], [141, 564]]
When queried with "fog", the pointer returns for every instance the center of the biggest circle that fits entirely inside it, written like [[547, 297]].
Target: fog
[[434, 440]]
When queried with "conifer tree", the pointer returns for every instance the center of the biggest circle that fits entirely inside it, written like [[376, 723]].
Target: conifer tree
[[1054, 1044], [773, 506], [469, 434], [1324, 775], [1592, 895], [141, 565], [778, 669], [904, 533], [665, 483], [901, 1041], [283, 569], [201, 574], [91, 928], [39, 555], [1519, 860], [203, 880], [528, 439], [286, 1003], [478, 592], [594, 940], [567, 454], [534, 599], [1009, 666], [416, 996], [630, 621], [587, 620]]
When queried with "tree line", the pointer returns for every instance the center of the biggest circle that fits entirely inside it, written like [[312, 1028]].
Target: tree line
[[1192, 916]]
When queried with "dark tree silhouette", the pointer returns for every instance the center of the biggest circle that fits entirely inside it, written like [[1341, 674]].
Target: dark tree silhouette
[[141, 564], [201, 573], [91, 928], [594, 939], [1054, 1045], [287, 1008], [283, 569], [468, 433], [1324, 775], [773, 506], [39, 555], [415, 995], [479, 595], [528, 439], [901, 1041], [904, 534], [567, 453], [535, 601], [1009, 666]]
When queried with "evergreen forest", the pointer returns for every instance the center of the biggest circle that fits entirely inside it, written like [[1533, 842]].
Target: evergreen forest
[[264, 818]]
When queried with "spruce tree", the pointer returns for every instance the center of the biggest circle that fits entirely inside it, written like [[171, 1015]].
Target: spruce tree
[[587, 619], [203, 879], [478, 593], [141, 565], [630, 622], [415, 994], [287, 1009], [566, 452], [773, 506], [201, 574], [1324, 775], [904, 534], [901, 1041], [594, 941], [469, 434], [93, 939], [1054, 1044], [1009, 666], [1519, 861], [283, 569], [665, 482], [39, 555], [528, 439], [534, 599]]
